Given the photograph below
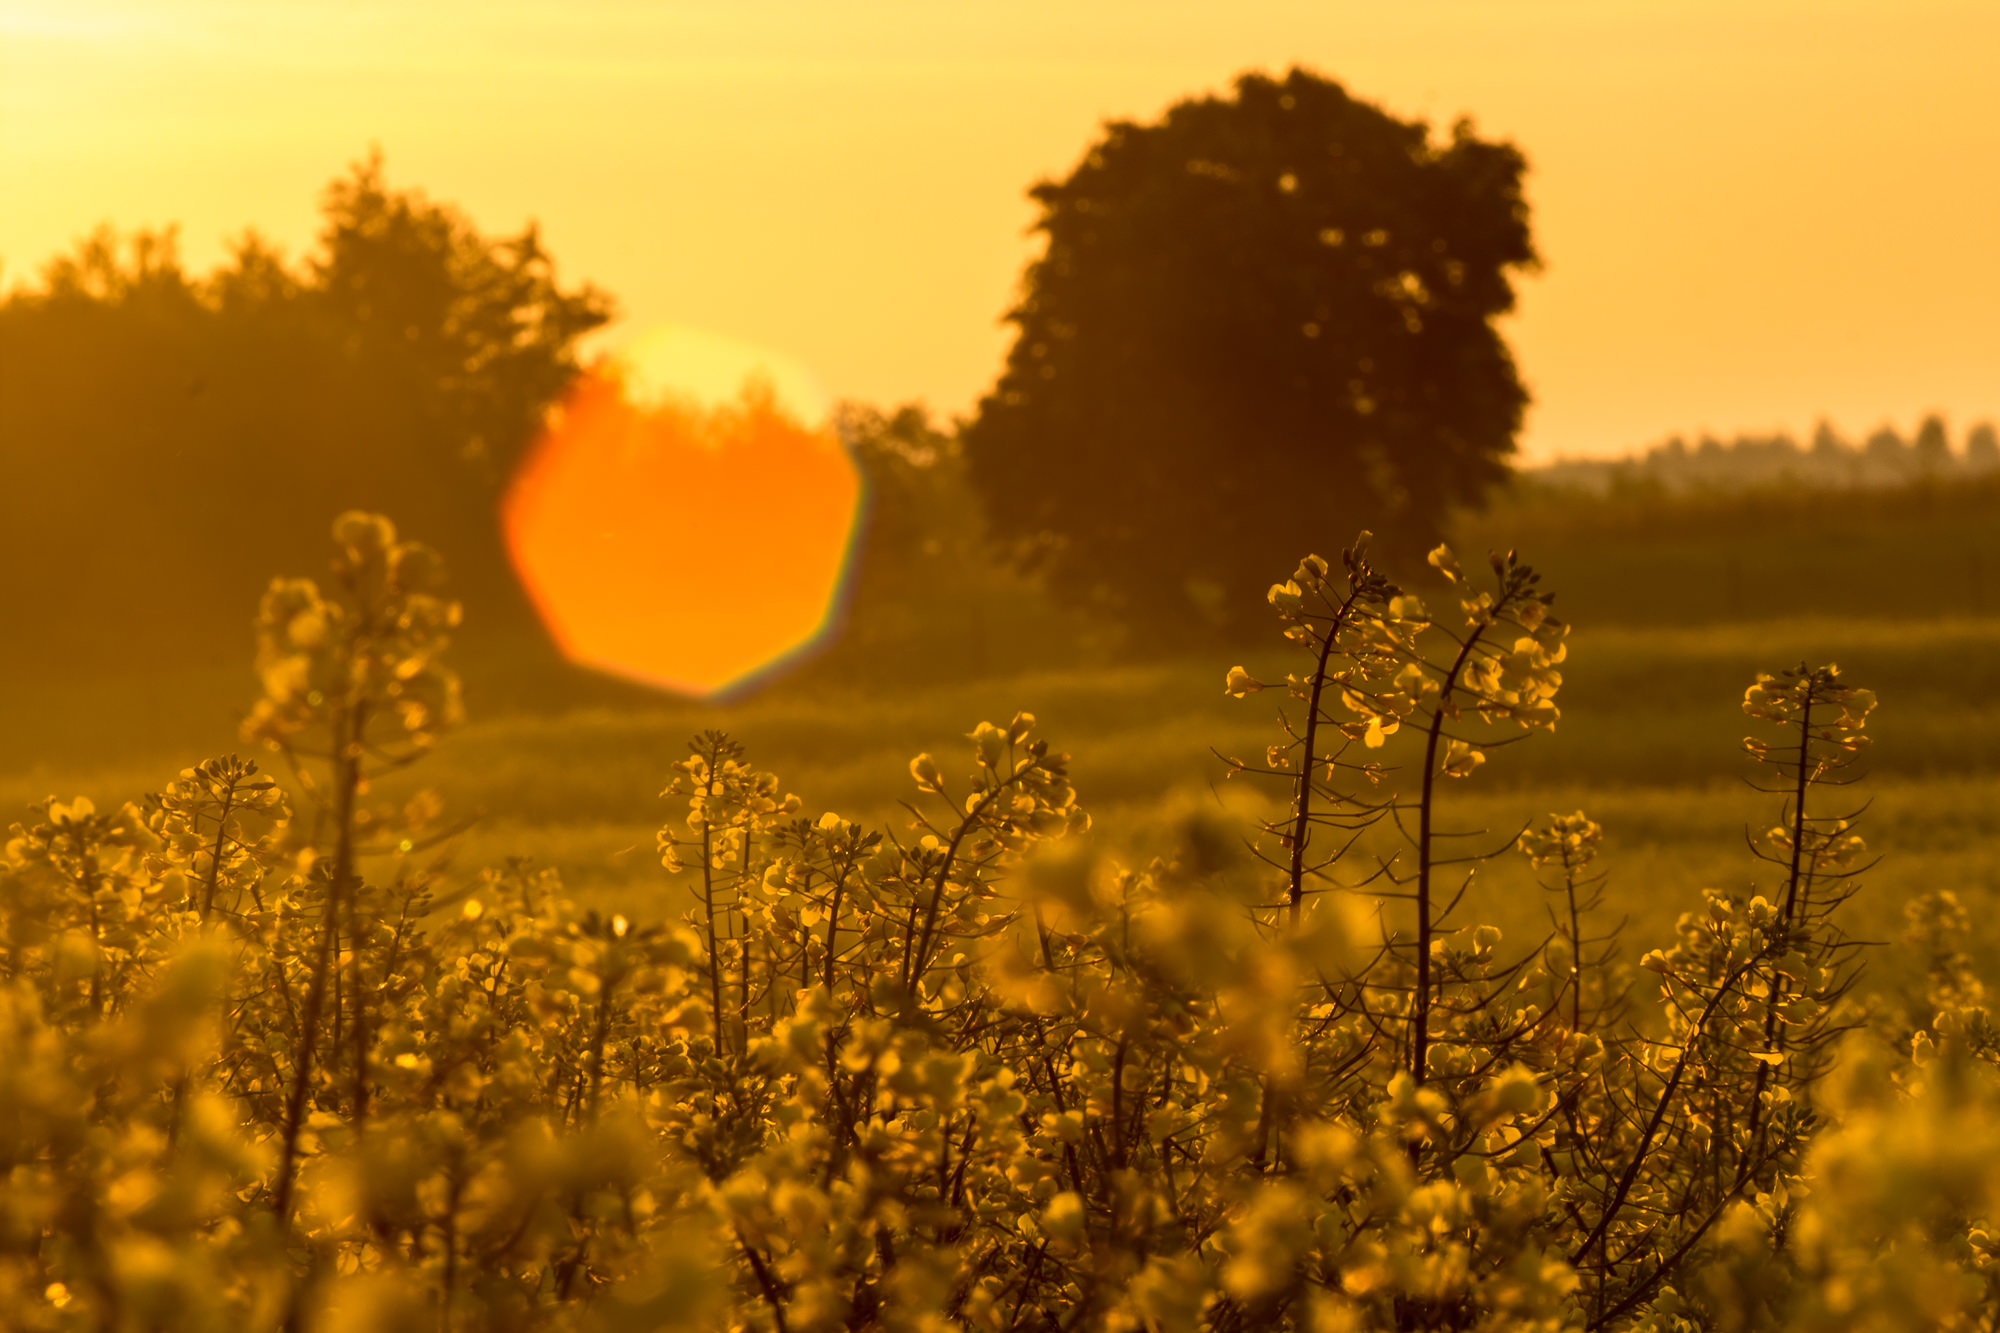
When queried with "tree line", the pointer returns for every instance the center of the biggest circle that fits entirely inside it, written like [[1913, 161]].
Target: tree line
[[1265, 315], [156, 425], [1885, 458]]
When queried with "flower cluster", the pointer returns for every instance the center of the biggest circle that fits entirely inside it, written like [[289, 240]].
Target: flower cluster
[[259, 1072]]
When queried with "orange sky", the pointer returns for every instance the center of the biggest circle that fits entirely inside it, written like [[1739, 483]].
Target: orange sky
[[1752, 213]]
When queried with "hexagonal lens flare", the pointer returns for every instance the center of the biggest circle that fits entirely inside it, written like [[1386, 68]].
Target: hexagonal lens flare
[[686, 517]]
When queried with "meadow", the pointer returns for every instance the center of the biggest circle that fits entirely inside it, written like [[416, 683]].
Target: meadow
[[566, 768], [499, 1034]]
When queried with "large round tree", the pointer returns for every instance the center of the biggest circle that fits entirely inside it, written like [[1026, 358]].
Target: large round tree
[[1259, 325]]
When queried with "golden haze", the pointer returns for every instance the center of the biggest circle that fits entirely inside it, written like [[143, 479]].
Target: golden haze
[[1752, 214]]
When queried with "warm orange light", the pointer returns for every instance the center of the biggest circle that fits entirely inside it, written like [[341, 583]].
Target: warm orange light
[[685, 518]]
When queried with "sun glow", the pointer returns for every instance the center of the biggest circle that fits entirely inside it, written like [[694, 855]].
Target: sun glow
[[686, 516], [675, 364]]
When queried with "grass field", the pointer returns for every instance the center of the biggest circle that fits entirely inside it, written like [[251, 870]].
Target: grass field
[[1649, 744], [567, 769]]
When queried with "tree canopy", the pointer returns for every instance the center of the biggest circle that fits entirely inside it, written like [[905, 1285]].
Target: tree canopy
[[154, 424], [1263, 321]]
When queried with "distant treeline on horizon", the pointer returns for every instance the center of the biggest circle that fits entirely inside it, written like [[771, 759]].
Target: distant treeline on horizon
[[1884, 459]]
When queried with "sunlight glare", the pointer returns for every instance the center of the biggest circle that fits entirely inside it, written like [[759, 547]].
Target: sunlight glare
[[675, 363], [685, 518]]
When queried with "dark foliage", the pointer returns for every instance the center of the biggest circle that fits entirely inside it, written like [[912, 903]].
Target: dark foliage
[[1714, 468], [156, 425], [1262, 317]]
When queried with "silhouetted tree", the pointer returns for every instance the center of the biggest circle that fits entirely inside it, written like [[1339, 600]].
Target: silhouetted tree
[[1931, 447], [154, 425], [1260, 323], [920, 513], [474, 328], [1886, 447], [925, 600], [1982, 447]]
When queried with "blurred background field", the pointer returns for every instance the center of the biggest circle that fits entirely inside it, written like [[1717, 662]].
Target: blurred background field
[[1675, 606]]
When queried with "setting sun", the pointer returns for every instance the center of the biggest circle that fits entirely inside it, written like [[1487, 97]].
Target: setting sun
[[626, 520]]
